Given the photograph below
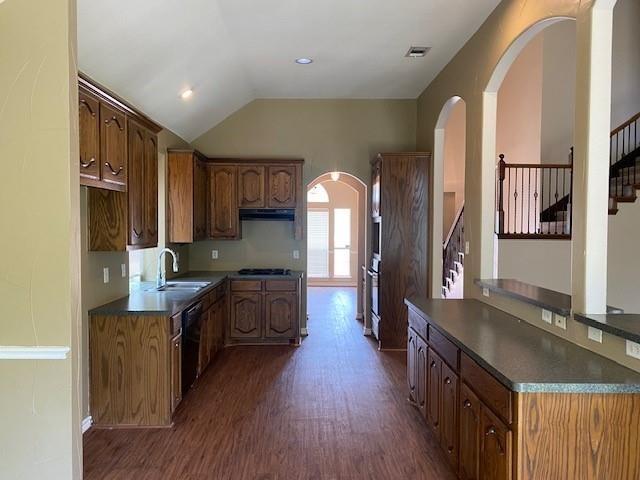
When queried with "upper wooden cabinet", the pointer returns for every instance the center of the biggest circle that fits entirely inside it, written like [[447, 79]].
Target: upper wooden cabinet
[[223, 202], [251, 186], [119, 158], [89, 122], [187, 195], [282, 186]]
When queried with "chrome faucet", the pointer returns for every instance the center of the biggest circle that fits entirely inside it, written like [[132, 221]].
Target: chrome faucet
[[161, 281]]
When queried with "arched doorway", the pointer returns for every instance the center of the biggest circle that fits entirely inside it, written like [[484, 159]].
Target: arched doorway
[[449, 167], [336, 235], [541, 142]]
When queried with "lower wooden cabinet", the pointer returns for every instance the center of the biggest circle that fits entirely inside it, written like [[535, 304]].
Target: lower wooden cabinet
[[449, 414], [264, 311], [469, 407], [422, 353], [176, 372], [434, 369], [495, 447], [212, 329], [412, 366]]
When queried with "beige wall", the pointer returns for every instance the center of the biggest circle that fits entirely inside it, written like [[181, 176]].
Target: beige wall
[[520, 107], [330, 135], [94, 291], [626, 61], [39, 212], [454, 159]]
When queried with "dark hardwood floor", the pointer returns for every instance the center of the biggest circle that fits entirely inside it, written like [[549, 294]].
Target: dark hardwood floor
[[334, 408]]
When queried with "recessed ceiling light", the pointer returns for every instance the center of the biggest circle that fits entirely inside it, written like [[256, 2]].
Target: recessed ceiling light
[[417, 52], [188, 93], [304, 61]]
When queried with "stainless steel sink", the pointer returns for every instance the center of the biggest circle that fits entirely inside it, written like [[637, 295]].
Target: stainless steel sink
[[182, 286]]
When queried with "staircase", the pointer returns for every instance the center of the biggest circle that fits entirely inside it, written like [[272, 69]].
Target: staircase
[[453, 259], [624, 172]]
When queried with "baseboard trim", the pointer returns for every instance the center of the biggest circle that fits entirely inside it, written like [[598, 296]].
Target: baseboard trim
[[33, 353], [367, 332], [304, 332], [86, 423]]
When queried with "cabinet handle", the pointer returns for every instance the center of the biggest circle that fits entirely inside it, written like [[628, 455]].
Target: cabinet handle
[[135, 232], [467, 404], [492, 431], [447, 381], [114, 172], [87, 164]]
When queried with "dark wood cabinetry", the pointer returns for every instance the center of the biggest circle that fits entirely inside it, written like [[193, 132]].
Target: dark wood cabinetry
[[119, 160], [469, 434], [495, 447], [212, 329], [187, 196], [449, 414], [412, 367], [176, 372], [400, 240], [223, 202], [434, 397], [282, 186], [251, 186], [422, 354], [264, 311]]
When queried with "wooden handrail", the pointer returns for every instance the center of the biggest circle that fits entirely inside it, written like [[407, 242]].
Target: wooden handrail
[[453, 226], [625, 124], [538, 165]]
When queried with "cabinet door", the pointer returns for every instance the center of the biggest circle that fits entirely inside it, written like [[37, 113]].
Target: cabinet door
[[449, 415], [223, 205], [246, 315], [282, 186], [495, 448], [176, 372], [150, 205], [199, 200], [113, 147], [136, 147], [251, 187], [375, 188], [433, 391], [421, 376], [412, 371], [280, 315], [205, 350], [469, 434], [89, 124]]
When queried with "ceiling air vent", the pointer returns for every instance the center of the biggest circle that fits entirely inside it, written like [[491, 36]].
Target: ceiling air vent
[[417, 52]]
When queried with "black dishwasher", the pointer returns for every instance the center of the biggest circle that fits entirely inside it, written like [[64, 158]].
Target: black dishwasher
[[191, 326]]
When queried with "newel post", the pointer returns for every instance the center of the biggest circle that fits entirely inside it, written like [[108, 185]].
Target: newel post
[[502, 167]]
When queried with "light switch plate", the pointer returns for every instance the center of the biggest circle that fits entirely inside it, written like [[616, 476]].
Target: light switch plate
[[547, 316], [594, 334], [296, 254], [485, 291], [105, 274], [123, 270], [466, 248], [561, 322], [214, 254], [633, 349]]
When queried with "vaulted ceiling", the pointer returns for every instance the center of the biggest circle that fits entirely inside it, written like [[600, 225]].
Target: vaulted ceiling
[[233, 51]]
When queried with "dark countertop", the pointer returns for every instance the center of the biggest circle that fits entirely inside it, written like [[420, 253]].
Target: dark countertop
[[625, 325], [148, 301], [551, 300], [521, 356]]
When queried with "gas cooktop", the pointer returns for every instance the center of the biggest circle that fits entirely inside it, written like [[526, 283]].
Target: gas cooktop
[[264, 271]]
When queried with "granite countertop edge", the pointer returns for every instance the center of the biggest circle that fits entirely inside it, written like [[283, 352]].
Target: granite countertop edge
[[487, 283], [593, 321], [530, 387]]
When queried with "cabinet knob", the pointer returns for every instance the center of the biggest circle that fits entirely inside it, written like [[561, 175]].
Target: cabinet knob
[[491, 431], [447, 381], [87, 164], [433, 364], [467, 404]]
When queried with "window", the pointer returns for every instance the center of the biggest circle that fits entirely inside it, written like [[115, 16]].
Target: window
[[317, 194], [342, 242], [318, 243], [136, 268]]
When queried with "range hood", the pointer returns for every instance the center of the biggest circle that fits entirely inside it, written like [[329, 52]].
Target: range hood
[[287, 214]]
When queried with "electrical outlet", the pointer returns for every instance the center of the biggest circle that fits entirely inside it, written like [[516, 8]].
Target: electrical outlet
[[633, 349], [296, 254], [123, 270], [466, 248], [105, 274], [561, 322], [485, 292], [214, 254], [547, 316], [594, 334]]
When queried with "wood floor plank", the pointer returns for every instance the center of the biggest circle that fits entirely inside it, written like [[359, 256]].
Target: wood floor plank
[[333, 408]]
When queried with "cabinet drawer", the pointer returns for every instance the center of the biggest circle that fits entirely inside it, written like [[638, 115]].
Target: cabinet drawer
[[445, 347], [246, 285], [419, 324], [495, 395], [281, 285], [176, 324]]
